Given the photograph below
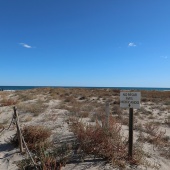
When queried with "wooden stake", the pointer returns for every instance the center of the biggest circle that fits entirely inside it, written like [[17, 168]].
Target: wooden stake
[[107, 114], [18, 130]]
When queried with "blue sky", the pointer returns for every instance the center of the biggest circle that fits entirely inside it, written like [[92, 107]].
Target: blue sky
[[113, 43]]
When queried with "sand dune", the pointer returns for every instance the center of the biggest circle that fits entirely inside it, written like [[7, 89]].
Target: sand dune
[[55, 109]]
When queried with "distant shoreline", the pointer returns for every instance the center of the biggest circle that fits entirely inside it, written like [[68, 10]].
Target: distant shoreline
[[13, 88]]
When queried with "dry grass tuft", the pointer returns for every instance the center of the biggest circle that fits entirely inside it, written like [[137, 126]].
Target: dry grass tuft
[[7, 102], [1, 126], [105, 142], [36, 137], [35, 108], [27, 119], [167, 120], [155, 137], [45, 160]]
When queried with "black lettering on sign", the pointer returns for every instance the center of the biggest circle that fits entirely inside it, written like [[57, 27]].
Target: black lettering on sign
[[132, 94], [134, 102], [129, 98], [123, 101]]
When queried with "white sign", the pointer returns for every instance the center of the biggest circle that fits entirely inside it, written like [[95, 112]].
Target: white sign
[[130, 100]]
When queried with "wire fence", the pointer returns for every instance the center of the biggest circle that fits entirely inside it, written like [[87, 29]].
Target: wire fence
[[12, 121], [15, 120], [22, 144]]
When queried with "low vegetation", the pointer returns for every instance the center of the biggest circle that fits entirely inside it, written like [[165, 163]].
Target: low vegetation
[[105, 141], [84, 112], [35, 137], [35, 107]]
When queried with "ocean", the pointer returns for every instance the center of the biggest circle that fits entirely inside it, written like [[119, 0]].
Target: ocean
[[119, 88]]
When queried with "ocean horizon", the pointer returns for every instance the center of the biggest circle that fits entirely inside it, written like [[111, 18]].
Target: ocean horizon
[[88, 87]]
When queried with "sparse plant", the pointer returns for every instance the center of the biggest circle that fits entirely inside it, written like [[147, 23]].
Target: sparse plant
[[142, 110], [103, 141], [53, 158], [45, 160], [125, 120], [155, 136], [83, 114], [167, 120], [35, 137], [5, 121], [7, 102], [167, 102], [27, 119], [51, 117], [165, 151], [1, 126], [151, 128], [138, 127], [69, 99], [150, 117], [168, 108], [35, 108], [116, 110]]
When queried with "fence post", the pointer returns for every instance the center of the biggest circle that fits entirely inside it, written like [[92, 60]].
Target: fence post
[[107, 114], [18, 130], [130, 153]]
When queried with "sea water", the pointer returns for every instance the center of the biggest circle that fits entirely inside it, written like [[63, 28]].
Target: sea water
[[119, 88]]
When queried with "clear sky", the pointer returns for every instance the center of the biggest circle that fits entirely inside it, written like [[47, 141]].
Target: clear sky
[[116, 43]]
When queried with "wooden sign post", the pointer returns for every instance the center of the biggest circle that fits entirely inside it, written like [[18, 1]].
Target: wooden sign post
[[130, 151], [130, 100]]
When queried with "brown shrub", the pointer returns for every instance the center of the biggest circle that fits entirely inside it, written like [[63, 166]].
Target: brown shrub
[[35, 108], [83, 114], [35, 137], [7, 102], [155, 96], [103, 141], [25, 95]]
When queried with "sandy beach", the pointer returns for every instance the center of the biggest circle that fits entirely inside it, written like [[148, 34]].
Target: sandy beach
[[62, 111]]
